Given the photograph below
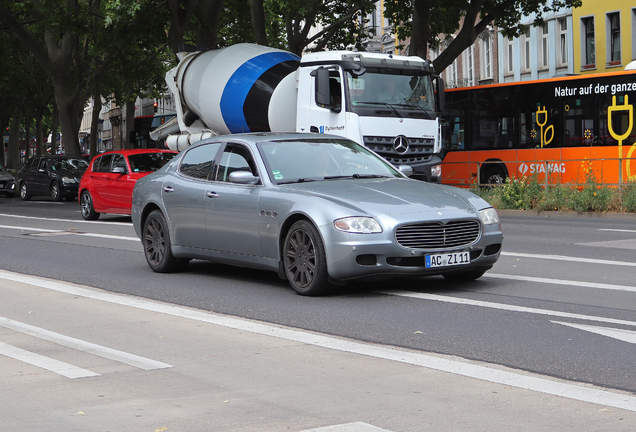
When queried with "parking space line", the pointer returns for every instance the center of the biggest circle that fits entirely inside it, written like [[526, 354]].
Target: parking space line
[[50, 231], [568, 258], [43, 362], [578, 284], [80, 345], [67, 220]]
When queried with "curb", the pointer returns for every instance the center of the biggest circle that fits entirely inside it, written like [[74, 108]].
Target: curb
[[567, 214]]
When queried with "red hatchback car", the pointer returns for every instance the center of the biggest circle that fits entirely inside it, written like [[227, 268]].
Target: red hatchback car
[[107, 185]]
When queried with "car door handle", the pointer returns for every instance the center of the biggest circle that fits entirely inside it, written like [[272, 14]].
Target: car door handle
[[168, 189], [212, 194]]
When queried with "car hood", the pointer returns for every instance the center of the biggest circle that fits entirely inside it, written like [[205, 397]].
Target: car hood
[[5, 176], [392, 196], [68, 173]]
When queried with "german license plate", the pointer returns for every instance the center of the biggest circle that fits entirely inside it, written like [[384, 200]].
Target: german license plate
[[447, 259]]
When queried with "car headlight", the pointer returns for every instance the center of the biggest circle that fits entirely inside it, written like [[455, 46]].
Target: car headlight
[[359, 225], [489, 216], [68, 180], [436, 171]]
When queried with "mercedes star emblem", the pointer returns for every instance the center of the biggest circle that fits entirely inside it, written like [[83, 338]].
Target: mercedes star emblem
[[401, 144]]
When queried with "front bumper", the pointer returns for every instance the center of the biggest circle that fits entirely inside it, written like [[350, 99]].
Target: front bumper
[[351, 256]]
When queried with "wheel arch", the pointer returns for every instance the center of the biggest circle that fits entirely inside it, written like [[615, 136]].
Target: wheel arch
[[493, 164]]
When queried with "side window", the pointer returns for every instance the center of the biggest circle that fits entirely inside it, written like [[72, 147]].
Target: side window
[[197, 162], [103, 163], [42, 165], [235, 158], [119, 162]]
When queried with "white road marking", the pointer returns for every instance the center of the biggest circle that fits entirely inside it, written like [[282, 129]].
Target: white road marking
[[80, 345], [524, 381], [620, 334], [61, 232], [506, 307], [43, 362], [68, 220], [349, 427], [568, 258], [562, 282], [617, 230]]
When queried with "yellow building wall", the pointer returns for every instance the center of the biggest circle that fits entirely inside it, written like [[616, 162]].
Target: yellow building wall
[[599, 10]]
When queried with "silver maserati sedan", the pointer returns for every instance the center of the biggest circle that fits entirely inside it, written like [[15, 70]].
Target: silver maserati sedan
[[318, 209]]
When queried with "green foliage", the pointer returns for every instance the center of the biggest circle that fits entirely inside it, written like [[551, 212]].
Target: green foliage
[[529, 193]]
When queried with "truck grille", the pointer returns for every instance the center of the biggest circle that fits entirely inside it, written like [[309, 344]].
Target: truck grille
[[435, 235], [419, 149]]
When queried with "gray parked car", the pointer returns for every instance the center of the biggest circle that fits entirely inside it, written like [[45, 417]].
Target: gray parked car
[[318, 209], [7, 182]]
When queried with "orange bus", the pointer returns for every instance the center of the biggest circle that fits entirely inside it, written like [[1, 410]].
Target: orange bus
[[560, 129]]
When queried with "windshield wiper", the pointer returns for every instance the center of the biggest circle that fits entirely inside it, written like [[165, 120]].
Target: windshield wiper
[[356, 176], [300, 180]]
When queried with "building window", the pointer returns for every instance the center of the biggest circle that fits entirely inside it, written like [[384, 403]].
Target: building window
[[468, 66], [485, 59], [452, 75], [589, 51], [563, 42], [509, 65], [614, 38], [543, 47], [526, 40]]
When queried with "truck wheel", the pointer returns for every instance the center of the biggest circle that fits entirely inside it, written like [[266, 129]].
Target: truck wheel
[[304, 260], [86, 206], [24, 192], [156, 242]]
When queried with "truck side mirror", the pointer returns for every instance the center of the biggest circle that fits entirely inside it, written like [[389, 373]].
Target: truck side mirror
[[322, 92], [439, 94]]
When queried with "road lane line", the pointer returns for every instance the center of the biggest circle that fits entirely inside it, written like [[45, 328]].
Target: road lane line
[[80, 345], [628, 336], [506, 307], [50, 231], [578, 284], [68, 220], [524, 381], [567, 258], [617, 230], [43, 362]]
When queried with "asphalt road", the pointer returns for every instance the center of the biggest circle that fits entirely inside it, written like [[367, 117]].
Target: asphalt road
[[559, 303]]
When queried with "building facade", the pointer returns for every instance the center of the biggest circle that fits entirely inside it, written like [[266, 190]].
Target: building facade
[[605, 35], [541, 52]]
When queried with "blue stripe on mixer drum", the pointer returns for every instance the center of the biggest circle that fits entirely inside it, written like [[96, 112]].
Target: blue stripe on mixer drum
[[240, 84]]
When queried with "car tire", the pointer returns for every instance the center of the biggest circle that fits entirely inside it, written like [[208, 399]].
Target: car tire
[[466, 276], [86, 206], [24, 192], [304, 260], [55, 191], [157, 246], [493, 175]]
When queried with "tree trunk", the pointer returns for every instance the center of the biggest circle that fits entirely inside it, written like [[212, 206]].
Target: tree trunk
[[13, 157], [97, 108], [257, 12], [421, 30], [54, 129], [130, 123]]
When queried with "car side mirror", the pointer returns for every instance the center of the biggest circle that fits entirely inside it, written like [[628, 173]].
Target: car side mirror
[[406, 170], [243, 177], [118, 170]]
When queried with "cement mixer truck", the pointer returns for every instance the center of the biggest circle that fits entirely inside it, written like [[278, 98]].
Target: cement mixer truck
[[386, 102]]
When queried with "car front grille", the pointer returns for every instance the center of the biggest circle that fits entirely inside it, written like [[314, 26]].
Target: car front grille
[[436, 235], [419, 149]]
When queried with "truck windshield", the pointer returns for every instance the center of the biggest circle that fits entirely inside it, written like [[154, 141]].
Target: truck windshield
[[395, 88]]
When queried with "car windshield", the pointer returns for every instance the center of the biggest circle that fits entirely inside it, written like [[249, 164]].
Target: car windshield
[[2, 169], [68, 164], [321, 159], [144, 162]]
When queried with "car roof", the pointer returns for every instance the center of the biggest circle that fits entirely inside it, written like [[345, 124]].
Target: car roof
[[137, 151]]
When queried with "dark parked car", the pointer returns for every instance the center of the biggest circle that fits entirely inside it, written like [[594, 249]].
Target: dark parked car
[[315, 208], [7, 182], [54, 176]]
